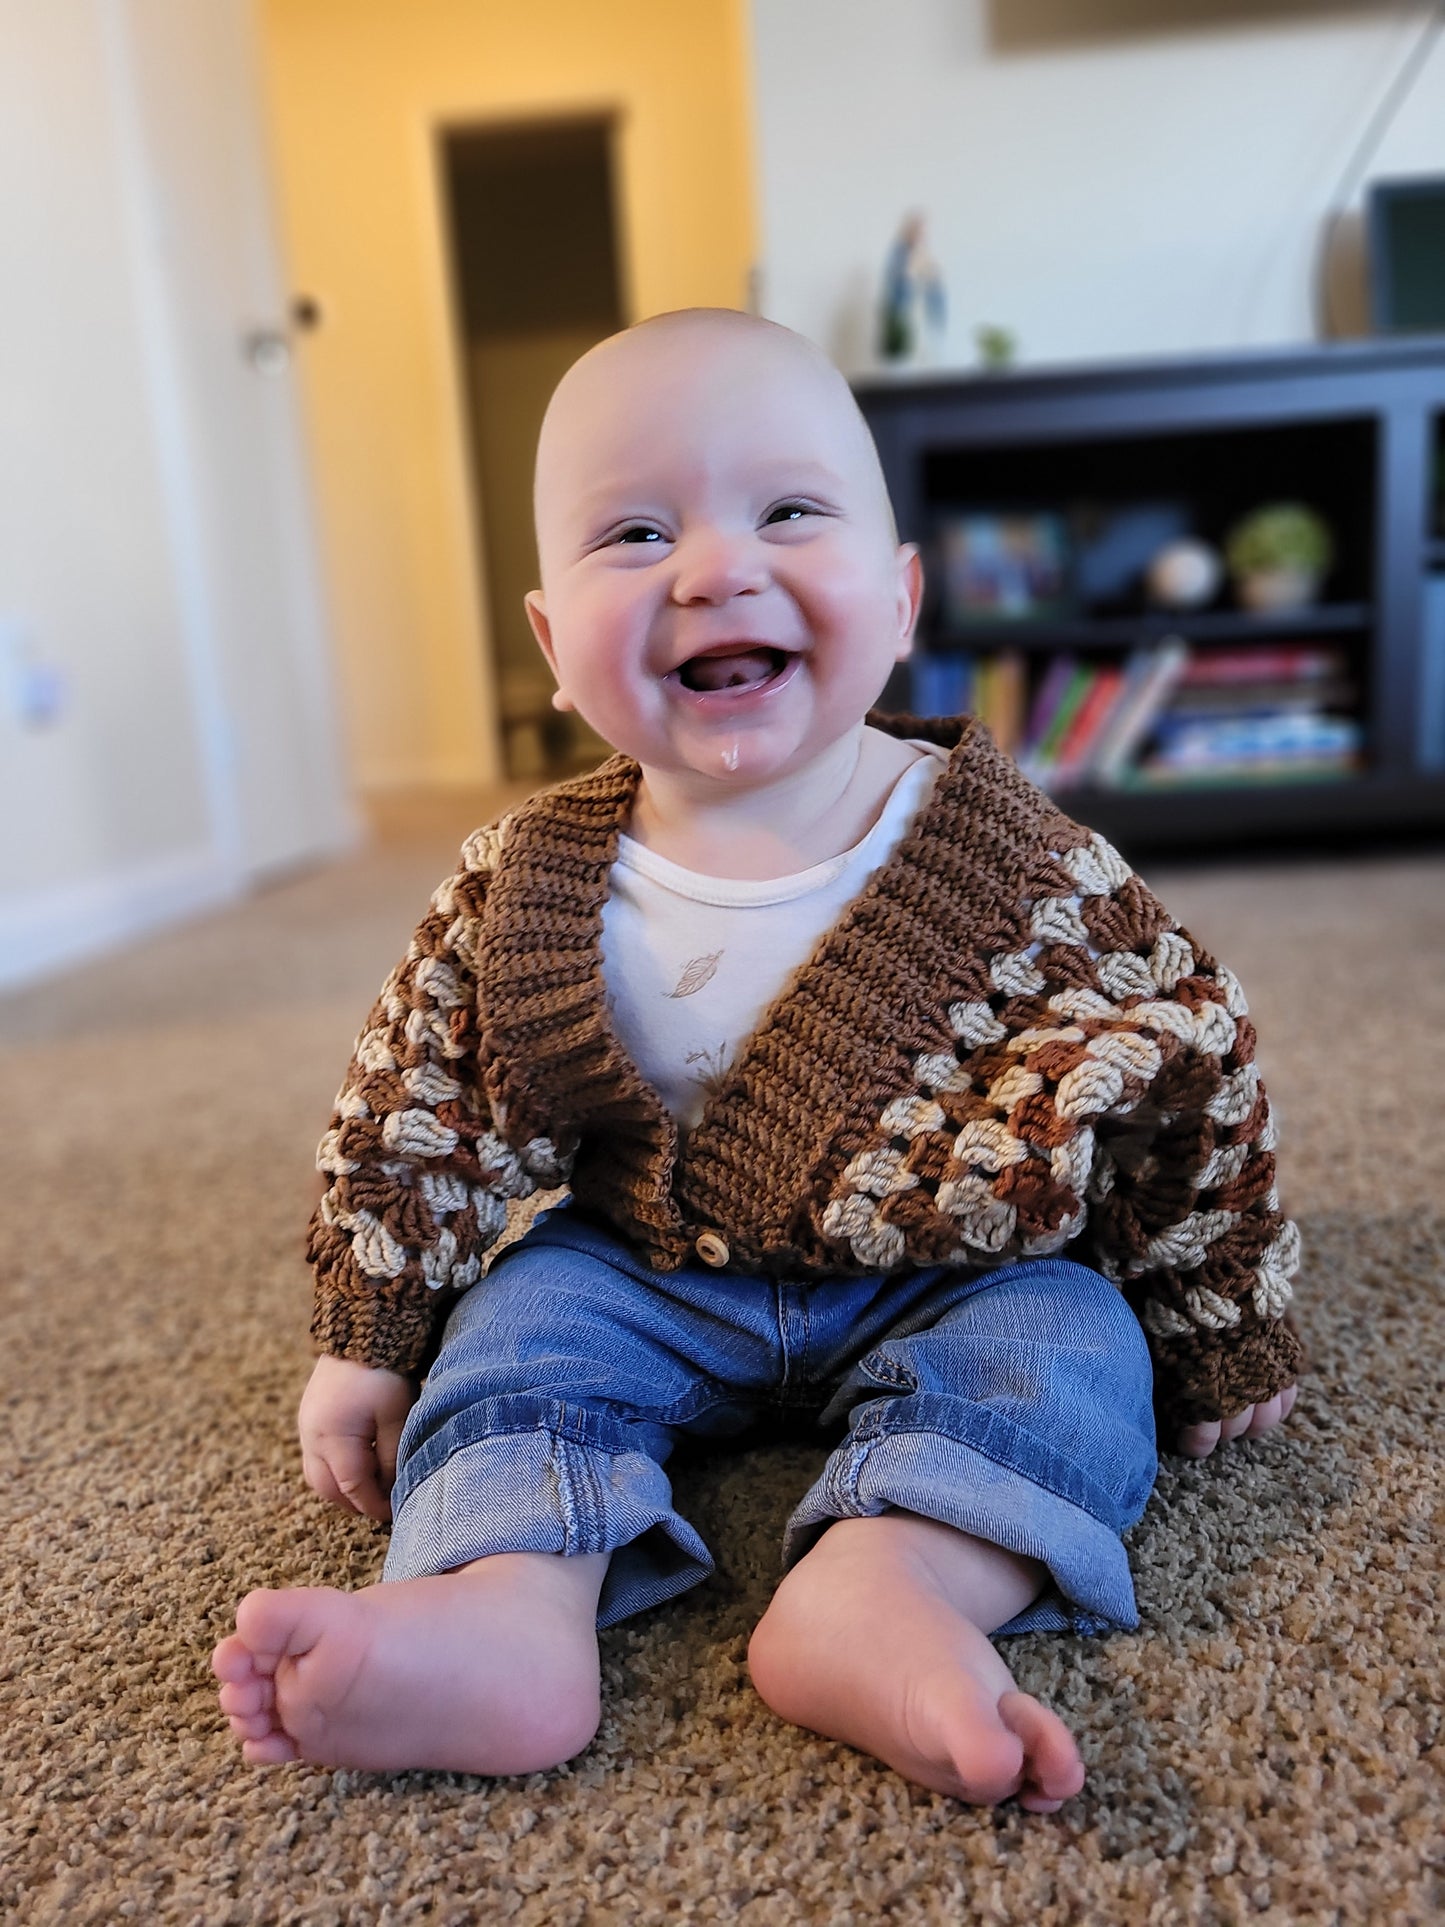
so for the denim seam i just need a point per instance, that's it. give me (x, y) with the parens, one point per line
(425, 1462)
(886, 1371)
(1034, 1476)
(706, 1393)
(576, 1500)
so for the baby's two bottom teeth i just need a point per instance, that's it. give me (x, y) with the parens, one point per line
(740, 671)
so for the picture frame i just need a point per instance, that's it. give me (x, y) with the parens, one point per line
(1003, 566)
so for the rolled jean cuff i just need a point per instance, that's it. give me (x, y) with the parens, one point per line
(521, 1474)
(975, 1490)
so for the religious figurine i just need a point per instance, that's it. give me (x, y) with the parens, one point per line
(913, 309)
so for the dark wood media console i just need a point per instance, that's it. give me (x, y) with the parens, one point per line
(1096, 468)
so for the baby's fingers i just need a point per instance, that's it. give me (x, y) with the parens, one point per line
(343, 1471)
(1198, 1441)
(1273, 1411)
(388, 1439)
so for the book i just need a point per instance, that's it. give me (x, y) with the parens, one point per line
(1150, 681)
(1286, 662)
(1203, 742)
(1047, 696)
(1076, 750)
(999, 700)
(1074, 689)
(941, 683)
(1245, 698)
(1135, 669)
(1249, 775)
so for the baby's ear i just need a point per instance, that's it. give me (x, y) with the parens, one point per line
(535, 605)
(910, 596)
(536, 609)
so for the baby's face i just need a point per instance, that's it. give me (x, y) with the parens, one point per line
(722, 590)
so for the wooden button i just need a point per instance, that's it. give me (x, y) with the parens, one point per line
(712, 1249)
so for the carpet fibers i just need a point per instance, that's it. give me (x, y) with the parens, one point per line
(1266, 1748)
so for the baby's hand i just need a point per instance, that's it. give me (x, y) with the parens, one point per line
(1198, 1441)
(350, 1422)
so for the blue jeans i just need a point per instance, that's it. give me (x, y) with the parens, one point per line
(1015, 1405)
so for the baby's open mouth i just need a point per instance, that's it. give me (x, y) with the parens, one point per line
(741, 668)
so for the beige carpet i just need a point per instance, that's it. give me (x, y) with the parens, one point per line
(1266, 1748)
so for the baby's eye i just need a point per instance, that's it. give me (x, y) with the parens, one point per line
(640, 532)
(787, 512)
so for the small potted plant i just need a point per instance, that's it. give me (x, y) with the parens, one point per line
(1279, 555)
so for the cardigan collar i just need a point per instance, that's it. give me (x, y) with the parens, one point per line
(558, 1069)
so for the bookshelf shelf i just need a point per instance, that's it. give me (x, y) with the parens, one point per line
(1122, 632)
(1169, 727)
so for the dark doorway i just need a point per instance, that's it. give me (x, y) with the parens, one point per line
(537, 281)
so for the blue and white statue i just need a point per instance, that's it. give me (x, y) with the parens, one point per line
(914, 308)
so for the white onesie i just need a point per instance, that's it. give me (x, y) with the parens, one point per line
(693, 962)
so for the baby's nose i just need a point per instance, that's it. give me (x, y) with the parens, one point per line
(715, 564)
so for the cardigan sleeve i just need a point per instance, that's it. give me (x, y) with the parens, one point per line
(419, 1174)
(1184, 1213)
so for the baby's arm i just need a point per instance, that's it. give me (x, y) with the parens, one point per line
(1185, 1213)
(350, 1422)
(419, 1173)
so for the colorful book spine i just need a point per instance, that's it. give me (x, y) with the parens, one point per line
(1049, 693)
(1152, 679)
(1248, 698)
(1001, 696)
(1071, 701)
(1286, 662)
(942, 682)
(1076, 752)
(1207, 743)
(1132, 675)
(1333, 768)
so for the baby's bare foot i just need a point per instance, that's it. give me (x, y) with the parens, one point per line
(868, 1640)
(492, 1669)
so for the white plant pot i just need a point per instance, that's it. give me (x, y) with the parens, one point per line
(1270, 590)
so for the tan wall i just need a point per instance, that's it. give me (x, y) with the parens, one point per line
(358, 90)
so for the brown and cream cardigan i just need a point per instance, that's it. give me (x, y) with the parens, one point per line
(1004, 1048)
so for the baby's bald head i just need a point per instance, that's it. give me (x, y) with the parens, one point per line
(679, 363)
(711, 516)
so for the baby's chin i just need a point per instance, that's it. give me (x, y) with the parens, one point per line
(738, 761)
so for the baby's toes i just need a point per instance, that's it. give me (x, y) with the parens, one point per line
(233, 1661)
(251, 1726)
(246, 1697)
(272, 1749)
(1053, 1771)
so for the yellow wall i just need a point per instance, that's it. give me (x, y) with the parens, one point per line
(357, 90)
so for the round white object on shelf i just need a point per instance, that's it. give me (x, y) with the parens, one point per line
(1185, 574)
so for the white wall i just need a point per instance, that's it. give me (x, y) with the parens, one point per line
(153, 538)
(85, 566)
(1103, 193)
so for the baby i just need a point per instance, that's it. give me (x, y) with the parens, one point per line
(884, 1094)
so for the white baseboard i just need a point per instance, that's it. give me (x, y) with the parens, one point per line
(45, 931)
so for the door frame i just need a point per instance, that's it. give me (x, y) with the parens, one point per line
(463, 483)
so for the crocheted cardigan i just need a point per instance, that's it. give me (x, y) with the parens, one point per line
(1004, 1048)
